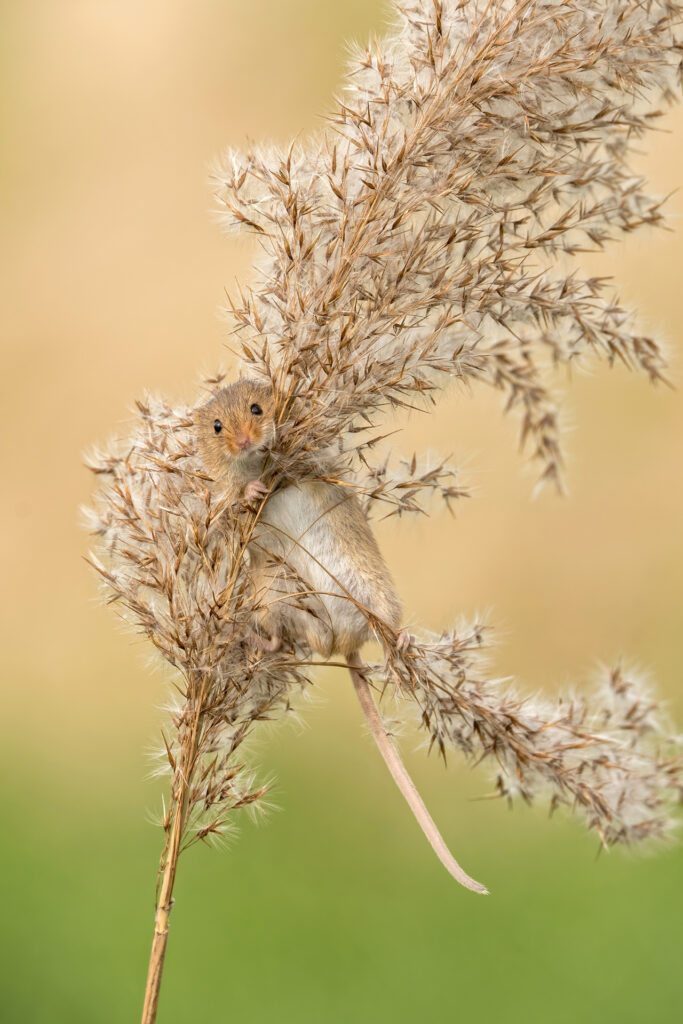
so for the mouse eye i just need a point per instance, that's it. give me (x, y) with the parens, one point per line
(256, 410)
(217, 426)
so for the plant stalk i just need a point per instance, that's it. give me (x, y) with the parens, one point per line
(163, 912)
(184, 772)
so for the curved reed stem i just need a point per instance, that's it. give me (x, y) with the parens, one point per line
(163, 911)
(169, 861)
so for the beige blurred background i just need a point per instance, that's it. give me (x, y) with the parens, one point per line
(112, 275)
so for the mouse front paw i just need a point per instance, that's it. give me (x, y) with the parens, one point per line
(254, 490)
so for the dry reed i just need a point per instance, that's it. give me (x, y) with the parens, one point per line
(429, 235)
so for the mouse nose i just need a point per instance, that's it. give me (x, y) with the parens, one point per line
(243, 441)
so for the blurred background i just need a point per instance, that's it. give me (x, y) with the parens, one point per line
(334, 909)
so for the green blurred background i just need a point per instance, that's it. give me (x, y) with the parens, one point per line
(334, 909)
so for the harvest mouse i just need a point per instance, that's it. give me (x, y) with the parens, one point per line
(312, 542)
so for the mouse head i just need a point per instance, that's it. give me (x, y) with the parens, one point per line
(238, 422)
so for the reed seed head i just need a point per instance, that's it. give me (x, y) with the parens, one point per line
(429, 235)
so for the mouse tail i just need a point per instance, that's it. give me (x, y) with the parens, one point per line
(402, 779)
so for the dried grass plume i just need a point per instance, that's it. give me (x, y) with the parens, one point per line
(430, 234)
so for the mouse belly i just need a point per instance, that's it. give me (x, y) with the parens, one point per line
(318, 570)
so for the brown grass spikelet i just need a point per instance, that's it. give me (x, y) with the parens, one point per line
(419, 240)
(175, 565)
(609, 754)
